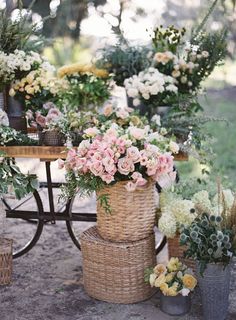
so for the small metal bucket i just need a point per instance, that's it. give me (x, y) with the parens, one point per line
(175, 306)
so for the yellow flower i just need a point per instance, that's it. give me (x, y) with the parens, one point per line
(172, 292)
(160, 280)
(176, 73)
(135, 120)
(169, 277)
(30, 78)
(189, 281)
(12, 92)
(107, 110)
(174, 264)
(164, 288)
(159, 269)
(79, 68)
(30, 90)
(152, 279)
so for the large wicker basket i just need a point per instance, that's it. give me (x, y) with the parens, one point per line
(132, 214)
(114, 272)
(175, 250)
(5, 261)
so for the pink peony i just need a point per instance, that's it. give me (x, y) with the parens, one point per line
(122, 113)
(125, 166)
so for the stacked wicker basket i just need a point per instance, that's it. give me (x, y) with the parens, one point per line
(117, 251)
(5, 261)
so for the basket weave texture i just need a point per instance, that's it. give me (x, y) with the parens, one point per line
(132, 214)
(5, 261)
(51, 138)
(114, 272)
(175, 250)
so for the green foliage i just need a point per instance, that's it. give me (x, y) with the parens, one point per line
(103, 199)
(85, 91)
(215, 43)
(11, 137)
(124, 60)
(11, 177)
(208, 241)
(19, 34)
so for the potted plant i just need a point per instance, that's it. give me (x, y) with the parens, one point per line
(211, 241)
(88, 86)
(176, 282)
(122, 165)
(19, 36)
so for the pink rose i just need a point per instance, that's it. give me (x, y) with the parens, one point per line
(125, 166)
(108, 178)
(61, 164)
(96, 168)
(41, 120)
(91, 132)
(122, 113)
(137, 133)
(133, 153)
(108, 110)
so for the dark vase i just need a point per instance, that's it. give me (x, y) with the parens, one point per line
(175, 306)
(148, 110)
(15, 112)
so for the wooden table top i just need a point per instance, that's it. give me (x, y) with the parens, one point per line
(52, 153)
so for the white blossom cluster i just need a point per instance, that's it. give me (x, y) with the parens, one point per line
(149, 83)
(19, 62)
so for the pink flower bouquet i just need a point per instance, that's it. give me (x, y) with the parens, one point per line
(117, 154)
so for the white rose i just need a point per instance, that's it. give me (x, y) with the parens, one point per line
(185, 292)
(152, 279)
(136, 102)
(174, 147)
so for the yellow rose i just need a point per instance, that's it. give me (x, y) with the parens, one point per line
(30, 78)
(160, 280)
(169, 277)
(189, 281)
(159, 56)
(12, 92)
(159, 269)
(172, 292)
(174, 264)
(135, 120)
(152, 279)
(164, 288)
(30, 90)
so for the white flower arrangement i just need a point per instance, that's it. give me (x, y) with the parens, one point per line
(149, 84)
(19, 63)
(176, 213)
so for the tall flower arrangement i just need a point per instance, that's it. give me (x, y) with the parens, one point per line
(112, 153)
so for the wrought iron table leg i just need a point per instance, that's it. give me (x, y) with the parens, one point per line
(50, 191)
